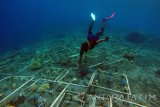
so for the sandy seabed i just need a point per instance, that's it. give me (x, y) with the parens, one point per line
(117, 73)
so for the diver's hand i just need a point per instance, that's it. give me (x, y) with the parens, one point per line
(107, 38)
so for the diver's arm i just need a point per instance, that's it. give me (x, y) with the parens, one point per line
(102, 40)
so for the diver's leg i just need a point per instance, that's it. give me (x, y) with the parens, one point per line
(90, 28)
(101, 32)
(104, 24)
(103, 27)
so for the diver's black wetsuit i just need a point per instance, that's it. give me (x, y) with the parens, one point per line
(91, 40)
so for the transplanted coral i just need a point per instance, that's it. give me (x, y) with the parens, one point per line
(34, 87)
(128, 56)
(13, 85)
(36, 63)
(1, 93)
(43, 87)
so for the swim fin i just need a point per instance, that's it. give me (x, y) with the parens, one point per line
(93, 16)
(105, 19)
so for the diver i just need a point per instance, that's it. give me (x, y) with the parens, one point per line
(93, 39)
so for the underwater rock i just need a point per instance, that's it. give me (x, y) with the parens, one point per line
(36, 63)
(135, 37)
(128, 56)
(16, 101)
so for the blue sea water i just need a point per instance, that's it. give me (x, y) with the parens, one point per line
(25, 21)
